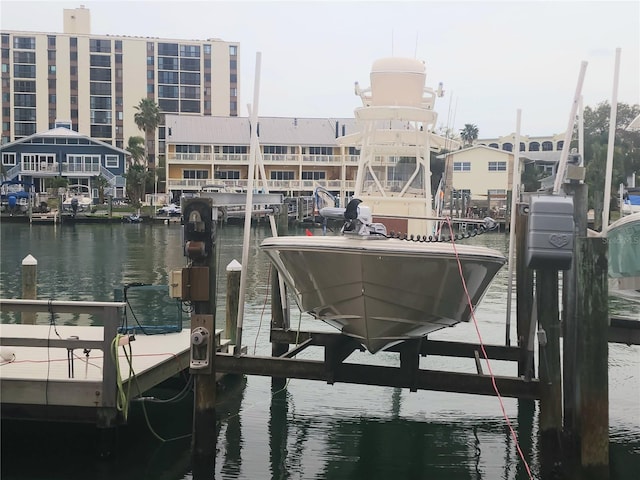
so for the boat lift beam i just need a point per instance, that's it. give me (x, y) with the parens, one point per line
(383, 376)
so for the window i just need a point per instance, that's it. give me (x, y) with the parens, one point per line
(461, 166)
(168, 49)
(97, 88)
(195, 174)
(168, 77)
(187, 148)
(313, 175)
(24, 86)
(189, 92)
(5, 68)
(25, 129)
(100, 74)
(320, 150)
(24, 71)
(497, 166)
(111, 161)
(51, 55)
(73, 56)
(73, 42)
(100, 61)
(101, 117)
(118, 45)
(190, 106)
(190, 78)
(275, 149)
(168, 105)
(190, 64)
(234, 91)
(24, 100)
(52, 98)
(547, 146)
(233, 78)
(100, 46)
(190, 51)
(167, 91)
(234, 149)
(52, 69)
(233, 50)
(508, 147)
(24, 114)
(100, 103)
(8, 158)
(534, 147)
(101, 131)
(207, 49)
(24, 43)
(233, 64)
(282, 175)
(228, 174)
(166, 63)
(24, 57)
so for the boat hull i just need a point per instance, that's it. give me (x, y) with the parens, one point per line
(384, 291)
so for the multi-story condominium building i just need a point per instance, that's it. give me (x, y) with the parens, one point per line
(95, 81)
(299, 154)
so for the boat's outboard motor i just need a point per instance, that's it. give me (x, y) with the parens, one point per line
(74, 205)
(358, 221)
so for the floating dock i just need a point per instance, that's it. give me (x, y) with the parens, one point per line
(68, 373)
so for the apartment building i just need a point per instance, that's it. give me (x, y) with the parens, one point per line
(95, 81)
(298, 154)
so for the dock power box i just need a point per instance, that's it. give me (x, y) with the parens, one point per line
(550, 242)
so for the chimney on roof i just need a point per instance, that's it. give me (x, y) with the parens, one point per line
(337, 129)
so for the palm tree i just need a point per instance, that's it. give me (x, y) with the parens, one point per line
(147, 118)
(135, 147)
(469, 133)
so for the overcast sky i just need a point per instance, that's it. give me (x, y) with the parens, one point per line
(493, 57)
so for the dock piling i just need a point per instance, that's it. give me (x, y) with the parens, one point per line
(593, 310)
(234, 270)
(29, 286)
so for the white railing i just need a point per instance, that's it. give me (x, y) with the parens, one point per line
(38, 167)
(190, 157)
(93, 168)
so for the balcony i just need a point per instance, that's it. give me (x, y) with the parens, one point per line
(86, 169)
(293, 186)
(190, 157)
(40, 168)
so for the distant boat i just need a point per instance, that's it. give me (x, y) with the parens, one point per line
(15, 196)
(77, 199)
(379, 287)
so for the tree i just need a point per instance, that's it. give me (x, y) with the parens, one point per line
(626, 154)
(469, 133)
(100, 183)
(147, 118)
(137, 177)
(135, 147)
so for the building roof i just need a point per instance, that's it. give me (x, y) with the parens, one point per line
(62, 132)
(272, 130)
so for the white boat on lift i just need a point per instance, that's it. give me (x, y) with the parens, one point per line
(77, 198)
(375, 285)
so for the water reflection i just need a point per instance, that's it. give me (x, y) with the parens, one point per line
(310, 430)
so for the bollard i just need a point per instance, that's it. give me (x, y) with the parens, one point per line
(29, 286)
(234, 270)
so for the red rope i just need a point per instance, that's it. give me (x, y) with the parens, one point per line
(484, 353)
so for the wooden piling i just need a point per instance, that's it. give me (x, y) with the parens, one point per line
(524, 294)
(549, 364)
(29, 286)
(234, 270)
(593, 348)
(278, 321)
(572, 321)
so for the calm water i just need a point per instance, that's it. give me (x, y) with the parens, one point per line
(310, 430)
